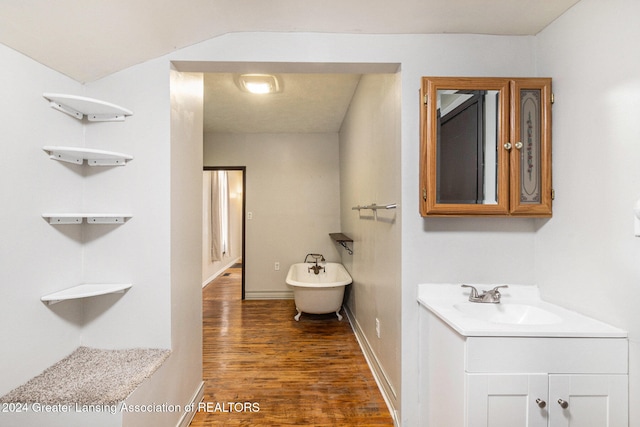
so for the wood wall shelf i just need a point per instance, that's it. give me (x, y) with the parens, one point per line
(94, 109)
(91, 218)
(93, 157)
(85, 291)
(339, 237)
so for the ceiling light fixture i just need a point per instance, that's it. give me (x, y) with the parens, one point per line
(259, 83)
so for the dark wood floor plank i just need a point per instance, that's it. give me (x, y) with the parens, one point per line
(262, 368)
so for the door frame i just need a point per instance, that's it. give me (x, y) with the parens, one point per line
(243, 169)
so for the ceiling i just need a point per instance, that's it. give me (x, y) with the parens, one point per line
(308, 103)
(89, 39)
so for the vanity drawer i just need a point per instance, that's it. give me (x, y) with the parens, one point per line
(547, 355)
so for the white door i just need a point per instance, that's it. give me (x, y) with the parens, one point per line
(497, 400)
(588, 401)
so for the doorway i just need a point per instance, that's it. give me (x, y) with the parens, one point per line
(229, 251)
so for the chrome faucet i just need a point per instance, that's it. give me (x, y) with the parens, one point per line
(316, 268)
(492, 296)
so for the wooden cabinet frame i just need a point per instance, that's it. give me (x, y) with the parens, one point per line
(510, 148)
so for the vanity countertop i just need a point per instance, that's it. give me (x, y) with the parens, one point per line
(521, 313)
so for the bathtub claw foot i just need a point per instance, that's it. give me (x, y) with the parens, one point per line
(339, 315)
(297, 316)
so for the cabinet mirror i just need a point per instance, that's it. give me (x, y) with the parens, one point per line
(485, 146)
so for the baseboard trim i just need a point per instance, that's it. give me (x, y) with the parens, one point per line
(220, 271)
(388, 392)
(187, 417)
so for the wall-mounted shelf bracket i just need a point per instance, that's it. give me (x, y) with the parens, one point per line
(91, 218)
(93, 157)
(85, 291)
(342, 240)
(80, 106)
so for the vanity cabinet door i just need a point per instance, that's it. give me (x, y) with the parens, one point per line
(590, 400)
(507, 400)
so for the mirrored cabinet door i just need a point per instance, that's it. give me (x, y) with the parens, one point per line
(485, 146)
(465, 123)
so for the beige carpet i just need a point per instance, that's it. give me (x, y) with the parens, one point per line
(90, 376)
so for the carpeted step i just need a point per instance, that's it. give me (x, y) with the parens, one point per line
(90, 376)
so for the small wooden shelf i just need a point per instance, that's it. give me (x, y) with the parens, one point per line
(91, 218)
(93, 157)
(342, 240)
(339, 237)
(94, 109)
(85, 291)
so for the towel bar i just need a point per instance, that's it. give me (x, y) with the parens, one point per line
(374, 207)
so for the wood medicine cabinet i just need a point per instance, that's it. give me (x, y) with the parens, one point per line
(485, 147)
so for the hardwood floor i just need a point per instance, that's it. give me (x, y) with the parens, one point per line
(262, 368)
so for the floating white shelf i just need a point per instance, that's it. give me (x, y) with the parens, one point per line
(92, 218)
(85, 291)
(93, 157)
(80, 106)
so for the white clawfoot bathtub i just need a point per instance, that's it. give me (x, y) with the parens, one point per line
(318, 293)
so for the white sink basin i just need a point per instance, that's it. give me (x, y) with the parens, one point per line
(518, 314)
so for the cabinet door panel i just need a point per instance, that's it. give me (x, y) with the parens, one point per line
(530, 172)
(496, 400)
(592, 400)
(464, 169)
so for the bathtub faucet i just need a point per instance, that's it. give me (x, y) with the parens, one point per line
(316, 268)
(316, 257)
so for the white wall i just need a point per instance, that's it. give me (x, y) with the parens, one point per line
(158, 250)
(370, 173)
(35, 257)
(212, 269)
(185, 379)
(480, 250)
(432, 249)
(139, 251)
(586, 52)
(587, 256)
(293, 194)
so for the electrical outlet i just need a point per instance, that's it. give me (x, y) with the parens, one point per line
(276, 266)
(249, 215)
(377, 327)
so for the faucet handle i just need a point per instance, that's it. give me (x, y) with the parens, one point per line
(494, 294)
(474, 291)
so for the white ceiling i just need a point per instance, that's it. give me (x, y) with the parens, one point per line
(89, 39)
(308, 103)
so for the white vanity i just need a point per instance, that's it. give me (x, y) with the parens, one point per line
(520, 362)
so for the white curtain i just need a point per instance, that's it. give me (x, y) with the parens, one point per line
(219, 213)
